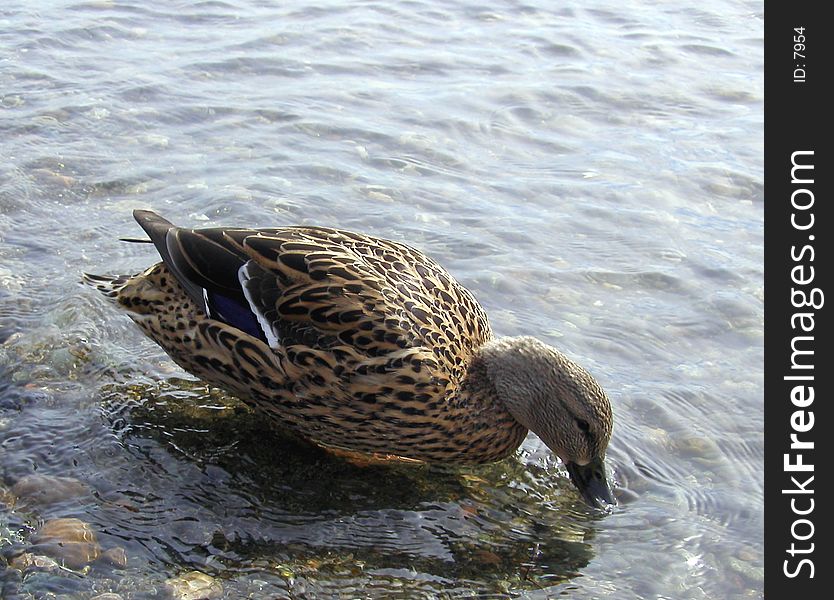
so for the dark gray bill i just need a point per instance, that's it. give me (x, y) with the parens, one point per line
(592, 483)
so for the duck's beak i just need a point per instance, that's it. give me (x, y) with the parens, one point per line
(592, 483)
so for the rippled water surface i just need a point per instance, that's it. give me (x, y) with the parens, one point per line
(591, 171)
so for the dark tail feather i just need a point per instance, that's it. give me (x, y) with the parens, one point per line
(158, 230)
(109, 285)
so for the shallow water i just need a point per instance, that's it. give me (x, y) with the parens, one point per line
(593, 173)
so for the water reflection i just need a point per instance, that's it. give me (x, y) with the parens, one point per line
(218, 482)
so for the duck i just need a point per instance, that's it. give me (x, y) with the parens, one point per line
(361, 344)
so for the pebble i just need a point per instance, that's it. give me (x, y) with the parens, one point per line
(747, 554)
(751, 572)
(6, 497)
(658, 436)
(107, 596)
(71, 542)
(50, 176)
(27, 561)
(116, 557)
(194, 585)
(42, 490)
(10, 281)
(12, 101)
(698, 447)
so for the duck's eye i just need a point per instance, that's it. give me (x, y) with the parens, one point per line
(582, 424)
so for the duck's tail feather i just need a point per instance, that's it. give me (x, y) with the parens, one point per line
(157, 228)
(163, 235)
(109, 285)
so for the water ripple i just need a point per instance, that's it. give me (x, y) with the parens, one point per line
(579, 168)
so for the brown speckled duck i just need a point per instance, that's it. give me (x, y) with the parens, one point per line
(361, 344)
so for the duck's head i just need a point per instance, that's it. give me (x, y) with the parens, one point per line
(561, 403)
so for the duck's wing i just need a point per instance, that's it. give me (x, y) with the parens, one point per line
(206, 262)
(374, 295)
(324, 288)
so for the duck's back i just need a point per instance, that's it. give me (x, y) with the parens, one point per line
(321, 286)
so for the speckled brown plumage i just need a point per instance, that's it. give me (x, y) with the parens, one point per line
(353, 342)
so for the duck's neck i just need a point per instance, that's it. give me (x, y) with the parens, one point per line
(484, 415)
(505, 364)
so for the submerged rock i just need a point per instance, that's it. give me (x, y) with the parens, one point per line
(116, 557)
(44, 490)
(752, 572)
(6, 497)
(71, 542)
(28, 561)
(194, 585)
